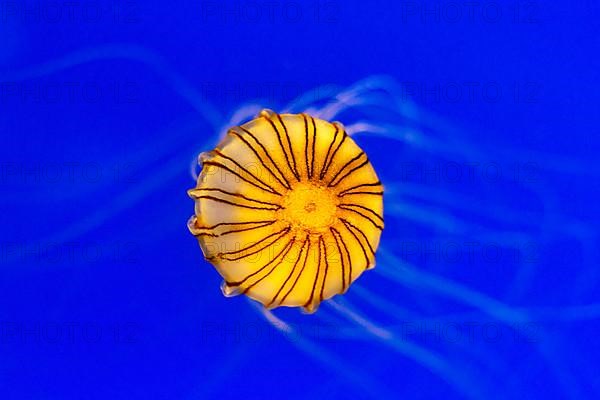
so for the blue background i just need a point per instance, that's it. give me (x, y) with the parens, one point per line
(105, 294)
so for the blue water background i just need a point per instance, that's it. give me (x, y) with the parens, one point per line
(104, 293)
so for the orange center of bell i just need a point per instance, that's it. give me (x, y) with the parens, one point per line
(309, 207)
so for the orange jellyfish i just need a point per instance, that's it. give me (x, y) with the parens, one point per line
(288, 209)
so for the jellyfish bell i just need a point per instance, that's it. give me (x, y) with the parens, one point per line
(288, 209)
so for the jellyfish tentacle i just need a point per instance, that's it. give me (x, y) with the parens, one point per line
(359, 379)
(307, 99)
(127, 52)
(424, 357)
(406, 274)
(135, 193)
(485, 356)
(364, 127)
(380, 303)
(359, 94)
(447, 198)
(495, 308)
(447, 223)
(243, 113)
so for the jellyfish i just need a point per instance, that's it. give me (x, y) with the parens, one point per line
(288, 209)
